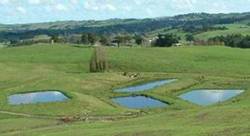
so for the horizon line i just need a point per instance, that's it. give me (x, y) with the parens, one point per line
(45, 22)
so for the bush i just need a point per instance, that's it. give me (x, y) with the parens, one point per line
(245, 42)
(98, 62)
(166, 40)
(234, 40)
(237, 41)
(189, 37)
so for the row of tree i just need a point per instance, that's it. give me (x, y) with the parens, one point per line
(237, 41)
(87, 39)
(234, 40)
(92, 39)
(162, 40)
(191, 28)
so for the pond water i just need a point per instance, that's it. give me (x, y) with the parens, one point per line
(37, 97)
(146, 86)
(208, 97)
(139, 102)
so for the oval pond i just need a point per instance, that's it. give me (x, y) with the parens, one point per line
(208, 97)
(146, 86)
(139, 102)
(37, 97)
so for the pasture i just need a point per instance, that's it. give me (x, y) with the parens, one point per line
(90, 110)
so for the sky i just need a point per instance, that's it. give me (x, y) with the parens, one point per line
(34, 11)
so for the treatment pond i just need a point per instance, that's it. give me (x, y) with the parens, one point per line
(208, 97)
(37, 97)
(146, 86)
(139, 102)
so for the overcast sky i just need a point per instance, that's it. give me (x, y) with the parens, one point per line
(30, 11)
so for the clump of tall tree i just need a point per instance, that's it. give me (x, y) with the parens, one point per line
(189, 37)
(89, 38)
(234, 40)
(99, 62)
(166, 40)
(54, 39)
(122, 40)
(237, 41)
(139, 39)
(202, 27)
(105, 40)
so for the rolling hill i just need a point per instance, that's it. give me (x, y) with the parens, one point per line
(188, 23)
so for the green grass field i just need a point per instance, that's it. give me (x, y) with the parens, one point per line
(237, 28)
(232, 29)
(66, 68)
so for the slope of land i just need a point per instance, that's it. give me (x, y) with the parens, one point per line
(64, 67)
(132, 26)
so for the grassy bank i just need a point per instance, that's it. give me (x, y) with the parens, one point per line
(66, 68)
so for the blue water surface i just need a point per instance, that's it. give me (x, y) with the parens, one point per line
(209, 97)
(139, 102)
(146, 86)
(37, 97)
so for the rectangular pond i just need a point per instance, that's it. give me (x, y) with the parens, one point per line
(146, 86)
(139, 102)
(209, 97)
(37, 97)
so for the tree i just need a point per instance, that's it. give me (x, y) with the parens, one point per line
(92, 38)
(245, 43)
(237, 40)
(139, 39)
(118, 39)
(122, 39)
(84, 38)
(233, 40)
(127, 39)
(217, 40)
(54, 39)
(166, 40)
(13, 42)
(89, 38)
(190, 37)
(104, 40)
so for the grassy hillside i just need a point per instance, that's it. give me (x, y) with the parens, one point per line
(65, 68)
(152, 26)
(231, 29)
(179, 20)
(235, 28)
(174, 60)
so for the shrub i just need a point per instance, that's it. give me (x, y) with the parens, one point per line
(234, 40)
(166, 40)
(237, 41)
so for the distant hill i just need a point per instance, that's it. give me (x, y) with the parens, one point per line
(188, 23)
